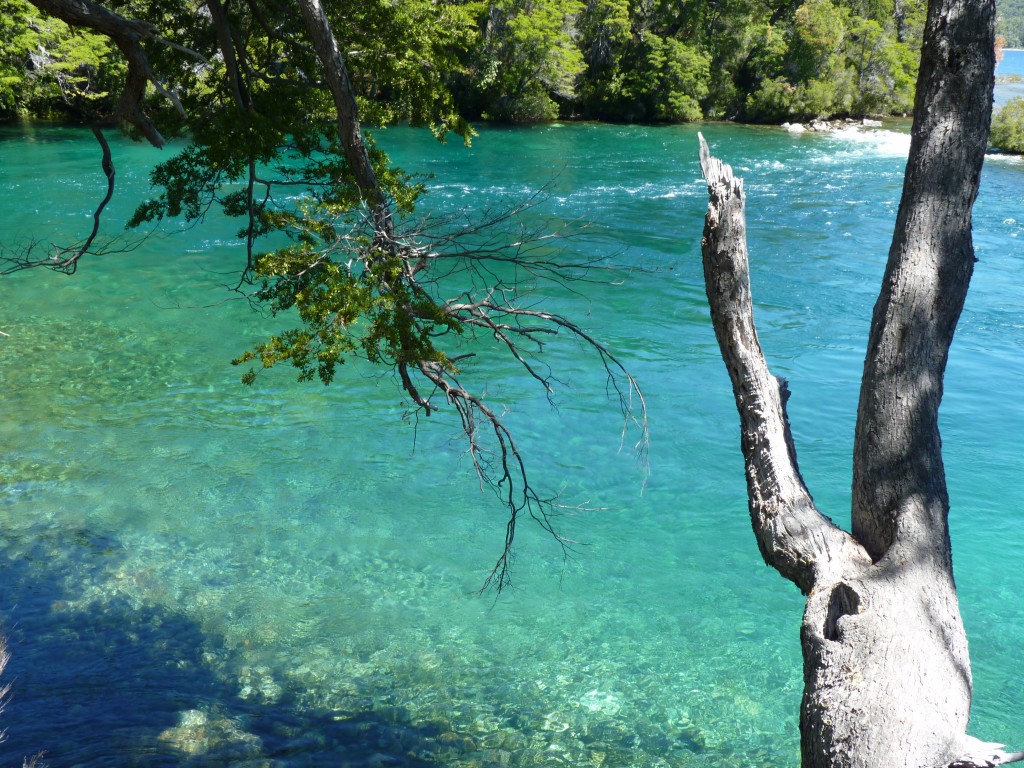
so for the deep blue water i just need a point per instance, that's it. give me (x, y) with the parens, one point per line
(196, 572)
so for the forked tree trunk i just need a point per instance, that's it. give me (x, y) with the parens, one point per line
(886, 671)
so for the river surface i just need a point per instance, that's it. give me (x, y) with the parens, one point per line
(195, 572)
(1010, 76)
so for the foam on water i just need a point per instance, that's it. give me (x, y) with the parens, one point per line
(853, 141)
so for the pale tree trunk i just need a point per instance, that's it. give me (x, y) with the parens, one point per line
(886, 670)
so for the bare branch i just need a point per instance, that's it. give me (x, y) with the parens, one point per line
(792, 535)
(65, 259)
(503, 471)
(182, 48)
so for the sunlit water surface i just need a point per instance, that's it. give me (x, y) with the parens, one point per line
(199, 573)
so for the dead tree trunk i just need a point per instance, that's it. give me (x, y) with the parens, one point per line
(887, 681)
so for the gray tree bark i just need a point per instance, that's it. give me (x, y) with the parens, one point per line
(887, 680)
(350, 133)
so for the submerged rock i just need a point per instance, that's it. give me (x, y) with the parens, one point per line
(199, 733)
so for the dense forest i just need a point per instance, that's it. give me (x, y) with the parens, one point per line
(532, 60)
(535, 60)
(1010, 22)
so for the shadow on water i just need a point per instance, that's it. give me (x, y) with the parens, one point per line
(100, 680)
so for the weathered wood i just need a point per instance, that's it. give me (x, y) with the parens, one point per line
(797, 540)
(869, 632)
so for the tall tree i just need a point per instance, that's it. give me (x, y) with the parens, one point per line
(886, 670)
(529, 61)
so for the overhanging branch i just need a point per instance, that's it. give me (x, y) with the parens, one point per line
(128, 35)
(65, 258)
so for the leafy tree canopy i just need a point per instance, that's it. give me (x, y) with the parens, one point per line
(1010, 22)
(521, 60)
(1008, 127)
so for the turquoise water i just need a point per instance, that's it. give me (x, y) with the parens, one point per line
(199, 573)
(1012, 66)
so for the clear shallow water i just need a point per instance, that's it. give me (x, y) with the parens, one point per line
(195, 572)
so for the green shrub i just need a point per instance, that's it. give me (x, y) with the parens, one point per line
(772, 102)
(1008, 127)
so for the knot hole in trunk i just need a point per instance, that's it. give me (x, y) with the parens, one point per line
(844, 601)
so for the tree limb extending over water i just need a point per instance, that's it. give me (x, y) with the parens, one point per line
(275, 139)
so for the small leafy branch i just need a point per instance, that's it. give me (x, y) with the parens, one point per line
(415, 302)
